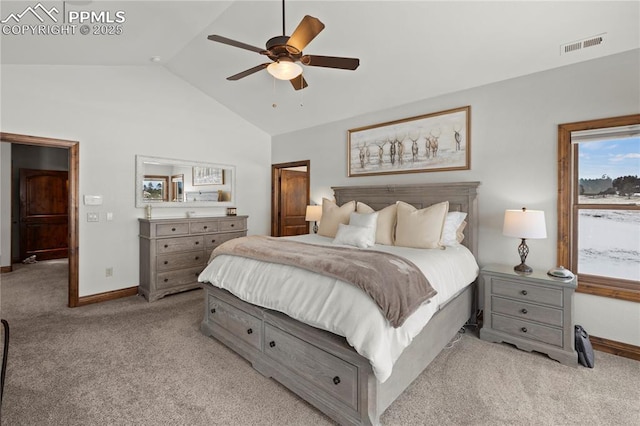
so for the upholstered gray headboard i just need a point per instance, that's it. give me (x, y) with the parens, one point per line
(462, 196)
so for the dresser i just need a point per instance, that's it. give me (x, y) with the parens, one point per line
(173, 252)
(534, 312)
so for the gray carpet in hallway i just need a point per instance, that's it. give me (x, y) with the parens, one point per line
(129, 362)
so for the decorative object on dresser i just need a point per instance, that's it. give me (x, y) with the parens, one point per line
(173, 252)
(313, 214)
(524, 224)
(322, 367)
(533, 312)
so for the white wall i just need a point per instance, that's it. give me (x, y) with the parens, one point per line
(513, 154)
(5, 204)
(116, 113)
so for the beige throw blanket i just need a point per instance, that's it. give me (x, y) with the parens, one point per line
(394, 283)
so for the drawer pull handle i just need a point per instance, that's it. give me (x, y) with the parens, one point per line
(213, 241)
(173, 229)
(166, 280)
(524, 311)
(205, 227)
(213, 310)
(250, 331)
(166, 245)
(166, 262)
(272, 344)
(197, 242)
(336, 380)
(233, 224)
(196, 274)
(524, 329)
(197, 257)
(524, 292)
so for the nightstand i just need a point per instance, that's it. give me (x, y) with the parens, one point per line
(534, 312)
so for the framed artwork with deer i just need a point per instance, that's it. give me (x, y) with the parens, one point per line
(433, 142)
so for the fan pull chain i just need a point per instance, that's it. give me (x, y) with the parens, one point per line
(274, 104)
(301, 91)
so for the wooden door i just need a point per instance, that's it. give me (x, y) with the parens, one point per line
(44, 214)
(293, 203)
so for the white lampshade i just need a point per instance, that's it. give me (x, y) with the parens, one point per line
(284, 69)
(313, 214)
(524, 224)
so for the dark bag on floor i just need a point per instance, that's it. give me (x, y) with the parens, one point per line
(584, 348)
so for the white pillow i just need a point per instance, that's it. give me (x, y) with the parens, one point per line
(368, 220)
(332, 215)
(450, 229)
(420, 228)
(386, 226)
(359, 236)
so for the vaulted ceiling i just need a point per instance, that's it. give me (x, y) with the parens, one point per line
(408, 50)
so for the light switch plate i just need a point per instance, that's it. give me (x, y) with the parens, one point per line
(93, 200)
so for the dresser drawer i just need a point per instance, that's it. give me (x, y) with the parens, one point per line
(167, 262)
(204, 226)
(231, 224)
(237, 322)
(214, 240)
(167, 229)
(530, 293)
(527, 330)
(527, 311)
(337, 377)
(176, 278)
(170, 245)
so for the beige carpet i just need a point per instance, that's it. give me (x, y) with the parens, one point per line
(129, 362)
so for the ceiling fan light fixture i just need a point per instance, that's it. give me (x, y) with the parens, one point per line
(284, 69)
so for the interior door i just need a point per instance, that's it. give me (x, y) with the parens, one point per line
(293, 203)
(44, 214)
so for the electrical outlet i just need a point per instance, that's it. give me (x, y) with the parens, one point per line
(108, 272)
(93, 217)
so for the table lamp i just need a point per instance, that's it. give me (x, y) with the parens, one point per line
(524, 224)
(313, 214)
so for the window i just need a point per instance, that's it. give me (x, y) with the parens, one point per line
(599, 205)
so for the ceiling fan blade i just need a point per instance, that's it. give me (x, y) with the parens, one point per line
(235, 43)
(298, 82)
(330, 62)
(248, 72)
(306, 31)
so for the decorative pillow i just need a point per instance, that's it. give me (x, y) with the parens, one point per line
(359, 236)
(332, 216)
(368, 220)
(420, 228)
(450, 229)
(460, 232)
(386, 227)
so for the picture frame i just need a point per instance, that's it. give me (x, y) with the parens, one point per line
(434, 142)
(207, 176)
(155, 188)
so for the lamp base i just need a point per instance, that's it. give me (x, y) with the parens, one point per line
(523, 269)
(315, 227)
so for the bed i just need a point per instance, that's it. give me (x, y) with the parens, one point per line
(322, 367)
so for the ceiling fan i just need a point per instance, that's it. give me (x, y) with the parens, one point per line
(286, 51)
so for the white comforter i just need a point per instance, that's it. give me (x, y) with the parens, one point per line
(342, 308)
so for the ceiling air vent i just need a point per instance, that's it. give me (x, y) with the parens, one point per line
(582, 44)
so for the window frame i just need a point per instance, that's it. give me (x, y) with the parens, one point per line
(567, 245)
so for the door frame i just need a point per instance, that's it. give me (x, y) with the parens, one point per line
(276, 172)
(73, 149)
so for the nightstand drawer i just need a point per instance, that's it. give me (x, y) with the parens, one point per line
(527, 330)
(169, 245)
(527, 311)
(530, 293)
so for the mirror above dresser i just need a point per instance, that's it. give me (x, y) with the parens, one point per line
(166, 182)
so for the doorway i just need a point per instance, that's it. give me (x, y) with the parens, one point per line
(73, 149)
(290, 185)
